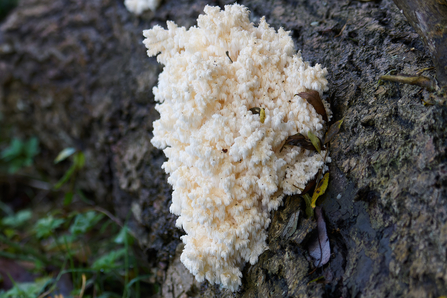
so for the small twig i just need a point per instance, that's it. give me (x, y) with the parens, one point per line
(109, 215)
(418, 81)
(228, 55)
(424, 69)
(341, 31)
(315, 280)
(84, 279)
(312, 272)
(45, 294)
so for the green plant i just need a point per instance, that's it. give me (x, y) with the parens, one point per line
(45, 227)
(94, 249)
(77, 164)
(18, 219)
(26, 289)
(86, 242)
(19, 154)
(84, 222)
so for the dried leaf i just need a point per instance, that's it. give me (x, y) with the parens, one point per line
(300, 141)
(427, 68)
(320, 248)
(315, 141)
(308, 187)
(256, 110)
(260, 112)
(420, 81)
(313, 97)
(333, 131)
(322, 186)
(64, 154)
(291, 225)
(262, 115)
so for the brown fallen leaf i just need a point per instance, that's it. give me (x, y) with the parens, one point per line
(255, 110)
(313, 97)
(333, 131)
(308, 187)
(300, 141)
(260, 112)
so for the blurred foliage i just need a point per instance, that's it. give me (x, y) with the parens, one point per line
(27, 289)
(19, 154)
(58, 232)
(70, 175)
(109, 261)
(84, 222)
(6, 6)
(45, 227)
(92, 248)
(17, 220)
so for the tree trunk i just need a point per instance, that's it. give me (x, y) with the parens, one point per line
(75, 74)
(429, 19)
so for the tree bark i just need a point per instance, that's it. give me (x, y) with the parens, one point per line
(429, 19)
(75, 74)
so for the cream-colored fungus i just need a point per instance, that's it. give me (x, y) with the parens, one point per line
(224, 165)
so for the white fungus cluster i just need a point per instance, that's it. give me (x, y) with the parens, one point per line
(139, 6)
(225, 165)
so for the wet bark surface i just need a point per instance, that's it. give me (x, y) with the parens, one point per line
(75, 74)
(429, 19)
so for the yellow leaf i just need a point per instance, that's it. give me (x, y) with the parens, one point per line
(320, 189)
(315, 141)
(262, 115)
